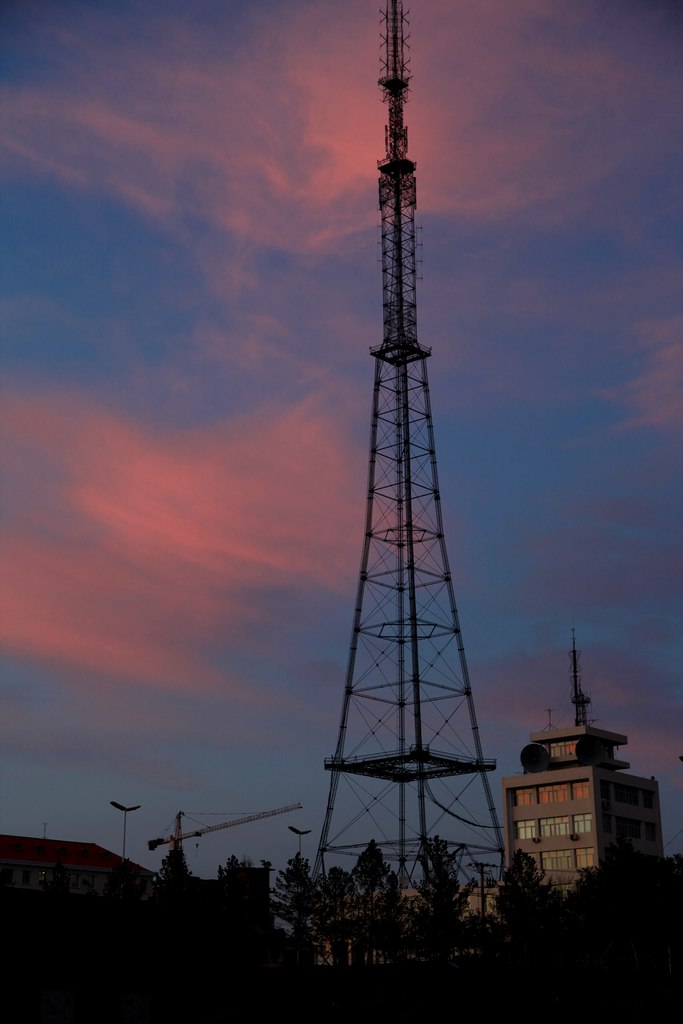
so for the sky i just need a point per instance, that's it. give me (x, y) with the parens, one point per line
(190, 286)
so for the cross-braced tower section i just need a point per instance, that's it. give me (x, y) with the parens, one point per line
(408, 764)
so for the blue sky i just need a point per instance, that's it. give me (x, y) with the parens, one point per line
(189, 290)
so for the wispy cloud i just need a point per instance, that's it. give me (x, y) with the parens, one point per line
(261, 141)
(129, 550)
(655, 396)
(192, 284)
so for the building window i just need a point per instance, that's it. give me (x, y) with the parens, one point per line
(607, 823)
(25, 877)
(585, 857)
(566, 748)
(524, 797)
(581, 790)
(553, 794)
(558, 826)
(583, 822)
(650, 832)
(556, 860)
(604, 790)
(626, 795)
(525, 829)
(648, 798)
(627, 828)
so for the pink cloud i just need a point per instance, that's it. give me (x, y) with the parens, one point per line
(128, 552)
(184, 131)
(275, 142)
(523, 107)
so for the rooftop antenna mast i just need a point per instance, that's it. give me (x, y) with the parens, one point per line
(408, 765)
(580, 700)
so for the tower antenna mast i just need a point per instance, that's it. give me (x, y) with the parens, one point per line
(580, 700)
(408, 765)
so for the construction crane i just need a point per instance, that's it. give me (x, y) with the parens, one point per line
(178, 834)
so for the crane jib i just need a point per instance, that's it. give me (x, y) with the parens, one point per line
(179, 835)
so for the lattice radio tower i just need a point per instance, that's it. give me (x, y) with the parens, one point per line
(408, 765)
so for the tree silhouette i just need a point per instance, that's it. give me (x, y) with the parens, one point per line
(333, 914)
(293, 901)
(58, 882)
(441, 903)
(530, 912)
(173, 884)
(629, 909)
(123, 884)
(376, 904)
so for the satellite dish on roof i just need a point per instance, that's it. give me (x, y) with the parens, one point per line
(534, 758)
(589, 750)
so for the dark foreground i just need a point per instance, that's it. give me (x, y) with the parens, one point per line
(83, 962)
(119, 995)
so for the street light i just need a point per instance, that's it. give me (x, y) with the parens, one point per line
(299, 832)
(125, 810)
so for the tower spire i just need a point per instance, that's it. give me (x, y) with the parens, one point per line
(580, 700)
(408, 765)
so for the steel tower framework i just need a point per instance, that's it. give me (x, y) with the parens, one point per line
(408, 764)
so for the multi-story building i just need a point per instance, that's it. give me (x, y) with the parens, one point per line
(30, 863)
(574, 798)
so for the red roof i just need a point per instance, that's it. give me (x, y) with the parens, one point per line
(28, 850)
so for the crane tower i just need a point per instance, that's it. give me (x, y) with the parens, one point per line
(408, 765)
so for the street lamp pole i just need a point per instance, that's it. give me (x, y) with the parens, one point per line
(125, 810)
(299, 832)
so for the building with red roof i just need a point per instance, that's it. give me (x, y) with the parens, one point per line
(29, 863)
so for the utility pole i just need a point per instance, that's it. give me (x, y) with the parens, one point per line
(482, 890)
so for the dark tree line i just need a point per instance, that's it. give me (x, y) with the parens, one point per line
(626, 913)
(204, 949)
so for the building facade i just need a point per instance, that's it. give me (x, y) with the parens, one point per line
(30, 863)
(574, 798)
